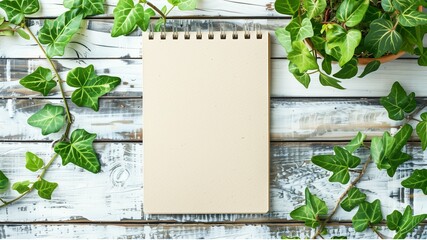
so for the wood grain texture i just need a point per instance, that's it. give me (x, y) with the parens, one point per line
(187, 231)
(378, 84)
(292, 119)
(117, 192)
(217, 8)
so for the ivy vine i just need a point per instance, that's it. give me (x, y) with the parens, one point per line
(75, 147)
(387, 154)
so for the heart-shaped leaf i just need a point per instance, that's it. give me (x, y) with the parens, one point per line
(33, 162)
(50, 119)
(417, 180)
(348, 70)
(21, 187)
(387, 5)
(402, 5)
(303, 78)
(397, 103)
(352, 11)
(45, 188)
(288, 7)
(17, 9)
(368, 213)
(300, 30)
(355, 143)
(405, 223)
(326, 80)
(301, 57)
(353, 199)
(422, 130)
(89, 86)
(412, 18)
(382, 38)
(370, 67)
(327, 64)
(338, 164)
(337, 36)
(310, 212)
(126, 17)
(4, 182)
(314, 7)
(57, 33)
(284, 38)
(147, 16)
(40, 81)
(87, 7)
(79, 151)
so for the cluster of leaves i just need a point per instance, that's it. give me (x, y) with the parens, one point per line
(128, 16)
(55, 35)
(387, 154)
(345, 30)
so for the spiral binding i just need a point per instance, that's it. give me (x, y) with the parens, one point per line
(248, 30)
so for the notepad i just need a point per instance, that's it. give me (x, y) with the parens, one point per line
(206, 123)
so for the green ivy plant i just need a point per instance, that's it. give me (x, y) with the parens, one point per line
(387, 154)
(344, 31)
(74, 147)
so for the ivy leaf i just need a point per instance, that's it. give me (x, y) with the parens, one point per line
(79, 151)
(412, 18)
(300, 30)
(89, 86)
(353, 199)
(17, 9)
(87, 7)
(370, 67)
(368, 213)
(40, 81)
(402, 5)
(380, 148)
(397, 103)
(326, 80)
(327, 65)
(422, 130)
(147, 16)
(45, 188)
(50, 119)
(4, 182)
(302, 57)
(284, 38)
(355, 143)
(21, 187)
(184, 4)
(309, 213)
(338, 164)
(352, 11)
(23, 34)
(348, 70)
(387, 5)
(33, 162)
(417, 180)
(126, 17)
(405, 223)
(314, 7)
(57, 33)
(382, 38)
(337, 36)
(303, 78)
(288, 7)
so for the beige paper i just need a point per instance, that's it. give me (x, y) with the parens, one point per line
(206, 124)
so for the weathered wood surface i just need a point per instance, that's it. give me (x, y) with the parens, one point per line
(217, 8)
(406, 71)
(292, 119)
(116, 193)
(187, 231)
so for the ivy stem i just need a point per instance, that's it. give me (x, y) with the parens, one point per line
(343, 195)
(375, 230)
(156, 9)
(6, 203)
(58, 80)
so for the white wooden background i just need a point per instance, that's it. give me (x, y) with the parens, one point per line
(109, 204)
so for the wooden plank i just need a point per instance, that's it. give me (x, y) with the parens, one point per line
(186, 231)
(218, 8)
(283, 84)
(291, 119)
(116, 193)
(117, 120)
(94, 39)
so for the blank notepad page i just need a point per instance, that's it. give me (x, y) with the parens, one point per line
(206, 124)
